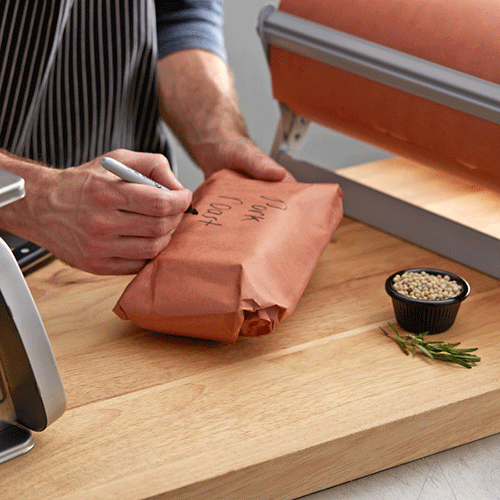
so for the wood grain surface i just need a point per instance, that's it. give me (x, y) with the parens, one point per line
(324, 399)
(466, 198)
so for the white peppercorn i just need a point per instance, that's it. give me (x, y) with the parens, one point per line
(424, 286)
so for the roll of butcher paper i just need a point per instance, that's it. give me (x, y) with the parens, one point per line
(458, 34)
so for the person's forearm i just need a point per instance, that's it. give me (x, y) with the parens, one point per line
(198, 101)
(15, 217)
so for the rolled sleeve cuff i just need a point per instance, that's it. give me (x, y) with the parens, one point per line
(198, 25)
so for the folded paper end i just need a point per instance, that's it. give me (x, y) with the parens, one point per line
(119, 311)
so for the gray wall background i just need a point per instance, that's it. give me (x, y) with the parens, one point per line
(247, 61)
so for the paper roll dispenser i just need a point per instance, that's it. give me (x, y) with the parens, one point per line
(31, 391)
(418, 79)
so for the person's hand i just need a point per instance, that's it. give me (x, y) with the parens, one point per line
(241, 154)
(97, 222)
(198, 101)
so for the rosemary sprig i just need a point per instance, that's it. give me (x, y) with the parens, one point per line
(434, 349)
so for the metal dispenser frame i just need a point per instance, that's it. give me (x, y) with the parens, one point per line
(405, 72)
(31, 390)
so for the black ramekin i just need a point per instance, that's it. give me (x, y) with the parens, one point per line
(426, 316)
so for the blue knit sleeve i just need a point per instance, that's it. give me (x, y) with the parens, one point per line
(187, 24)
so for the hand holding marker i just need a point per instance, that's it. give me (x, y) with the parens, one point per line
(130, 175)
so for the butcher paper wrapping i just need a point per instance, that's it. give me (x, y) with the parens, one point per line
(240, 266)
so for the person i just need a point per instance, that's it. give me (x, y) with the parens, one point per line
(82, 79)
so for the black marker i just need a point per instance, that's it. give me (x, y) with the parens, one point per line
(130, 175)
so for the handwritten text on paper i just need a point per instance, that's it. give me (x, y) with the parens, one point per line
(256, 212)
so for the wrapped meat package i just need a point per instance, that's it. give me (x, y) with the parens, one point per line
(240, 266)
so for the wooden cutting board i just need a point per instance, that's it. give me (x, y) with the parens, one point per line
(324, 399)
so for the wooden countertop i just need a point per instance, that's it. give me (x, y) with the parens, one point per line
(465, 198)
(324, 399)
